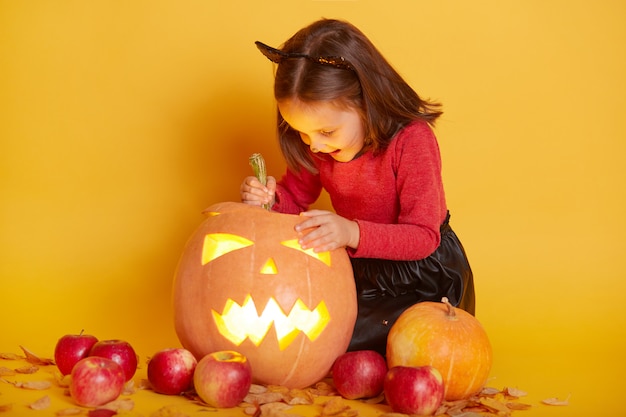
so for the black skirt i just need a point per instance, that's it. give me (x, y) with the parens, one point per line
(386, 288)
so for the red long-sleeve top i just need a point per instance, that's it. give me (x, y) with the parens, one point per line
(396, 196)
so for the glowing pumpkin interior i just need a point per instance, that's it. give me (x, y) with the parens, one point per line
(244, 283)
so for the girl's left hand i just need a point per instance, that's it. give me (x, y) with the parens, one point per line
(324, 231)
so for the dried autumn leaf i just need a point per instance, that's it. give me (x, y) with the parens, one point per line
(453, 408)
(143, 384)
(122, 404)
(456, 405)
(27, 369)
(34, 359)
(299, 401)
(69, 412)
(515, 392)
(278, 388)
(252, 410)
(41, 404)
(481, 413)
(518, 406)
(495, 405)
(10, 356)
(168, 411)
(274, 410)
(556, 401)
(129, 388)
(322, 389)
(263, 398)
(34, 385)
(299, 397)
(257, 389)
(4, 371)
(334, 406)
(62, 381)
(489, 391)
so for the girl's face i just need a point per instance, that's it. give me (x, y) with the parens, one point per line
(326, 127)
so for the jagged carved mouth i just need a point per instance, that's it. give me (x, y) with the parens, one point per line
(240, 322)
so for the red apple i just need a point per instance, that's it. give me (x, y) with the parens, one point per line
(222, 379)
(119, 351)
(70, 349)
(414, 390)
(359, 374)
(170, 371)
(96, 381)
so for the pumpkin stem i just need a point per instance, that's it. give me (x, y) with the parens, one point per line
(258, 165)
(451, 312)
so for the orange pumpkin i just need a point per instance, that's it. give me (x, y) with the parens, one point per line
(243, 283)
(447, 338)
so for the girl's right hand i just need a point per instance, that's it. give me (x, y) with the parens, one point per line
(256, 194)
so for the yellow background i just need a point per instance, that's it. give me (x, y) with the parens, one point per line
(121, 120)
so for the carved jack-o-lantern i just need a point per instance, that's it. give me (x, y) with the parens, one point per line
(243, 283)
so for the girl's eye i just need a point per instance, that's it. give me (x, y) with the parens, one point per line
(327, 132)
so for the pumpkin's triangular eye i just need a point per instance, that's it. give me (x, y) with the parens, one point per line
(218, 244)
(321, 256)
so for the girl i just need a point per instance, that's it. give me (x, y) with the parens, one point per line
(348, 123)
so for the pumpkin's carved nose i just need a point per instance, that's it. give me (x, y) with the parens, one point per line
(269, 267)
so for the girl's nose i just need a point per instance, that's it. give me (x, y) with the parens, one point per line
(315, 146)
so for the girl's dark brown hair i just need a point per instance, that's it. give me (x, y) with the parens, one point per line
(371, 86)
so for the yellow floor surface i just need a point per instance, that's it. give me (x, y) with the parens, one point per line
(590, 391)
